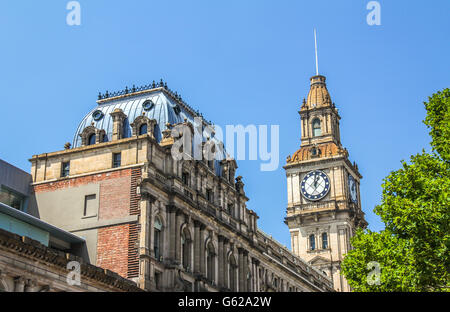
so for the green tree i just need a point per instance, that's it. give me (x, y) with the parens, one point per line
(413, 250)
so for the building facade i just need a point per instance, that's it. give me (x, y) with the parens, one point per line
(324, 204)
(36, 256)
(168, 224)
(26, 265)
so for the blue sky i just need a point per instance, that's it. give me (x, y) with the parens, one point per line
(238, 62)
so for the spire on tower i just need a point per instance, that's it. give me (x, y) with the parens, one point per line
(315, 46)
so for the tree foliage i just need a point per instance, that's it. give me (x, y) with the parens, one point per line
(413, 249)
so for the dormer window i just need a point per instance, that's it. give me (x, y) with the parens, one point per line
(317, 131)
(143, 129)
(92, 139)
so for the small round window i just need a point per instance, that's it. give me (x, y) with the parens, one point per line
(97, 115)
(148, 105)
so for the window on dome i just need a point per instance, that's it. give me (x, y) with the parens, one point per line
(91, 140)
(143, 129)
(317, 131)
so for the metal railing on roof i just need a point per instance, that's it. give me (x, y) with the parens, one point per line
(153, 85)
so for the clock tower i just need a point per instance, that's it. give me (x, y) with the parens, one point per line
(324, 204)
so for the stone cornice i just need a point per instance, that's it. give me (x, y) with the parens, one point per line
(31, 249)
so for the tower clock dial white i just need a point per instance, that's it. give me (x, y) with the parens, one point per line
(352, 188)
(315, 185)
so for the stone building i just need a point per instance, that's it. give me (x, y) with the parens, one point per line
(26, 265)
(324, 204)
(36, 256)
(167, 224)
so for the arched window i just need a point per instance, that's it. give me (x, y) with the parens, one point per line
(143, 129)
(92, 138)
(232, 271)
(210, 262)
(186, 250)
(157, 230)
(317, 131)
(312, 242)
(324, 240)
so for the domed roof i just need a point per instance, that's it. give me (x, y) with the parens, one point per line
(162, 109)
(157, 103)
(318, 95)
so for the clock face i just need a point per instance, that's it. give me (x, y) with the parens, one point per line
(315, 185)
(352, 188)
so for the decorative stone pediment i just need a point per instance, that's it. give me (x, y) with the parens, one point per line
(90, 130)
(141, 120)
(318, 260)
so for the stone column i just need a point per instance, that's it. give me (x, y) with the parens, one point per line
(221, 265)
(172, 231)
(19, 284)
(145, 246)
(197, 225)
(30, 286)
(246, 284)
(242, 277)
(178, 222)
(202, 250)
(256, 274)
(225, 262)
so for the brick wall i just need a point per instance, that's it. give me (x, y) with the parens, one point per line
(116, 245)
(112, 248)
(77, 181)
(115, 198)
